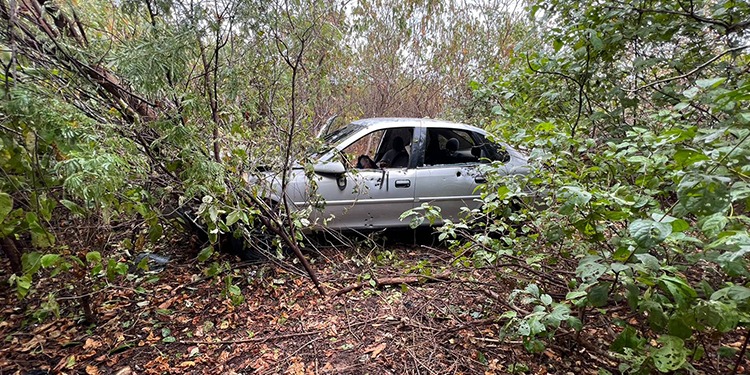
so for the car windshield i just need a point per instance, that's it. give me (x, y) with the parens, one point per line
(330, 140)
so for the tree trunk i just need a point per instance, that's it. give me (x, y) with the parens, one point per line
(8, 246)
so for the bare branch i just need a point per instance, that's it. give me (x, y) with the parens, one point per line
(694, 71)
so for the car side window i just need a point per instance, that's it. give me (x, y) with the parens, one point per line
(450, 146)
(490, 151)
(388, 148)
(365, 147)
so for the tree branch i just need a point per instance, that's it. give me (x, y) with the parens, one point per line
(695, 70)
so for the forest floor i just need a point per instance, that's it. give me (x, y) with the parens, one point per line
(378, 317)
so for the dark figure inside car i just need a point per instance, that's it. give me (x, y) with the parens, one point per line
(364, 162)
(397, 156)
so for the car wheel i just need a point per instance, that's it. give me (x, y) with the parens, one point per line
(248, 244)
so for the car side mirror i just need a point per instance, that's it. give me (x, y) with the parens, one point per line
(329, 167)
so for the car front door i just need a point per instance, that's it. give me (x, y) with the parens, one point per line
(364, 198)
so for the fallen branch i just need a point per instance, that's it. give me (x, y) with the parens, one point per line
(398, 280)
(253, 339)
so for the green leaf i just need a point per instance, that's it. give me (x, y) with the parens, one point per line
(31, 262)
(684, 157)
(575, 195)
(599, 295)
(572, 196)
(691, 92)
(703, 195)
(559, 314)
(234, 290)
(557, 44)
(533, 345)
(532, 289)
(575, 323)
(740, 191)
(679, 225)
(39, 236)
(73, 207)
(737, 293)
(628, 338)
(682, 293)
(649, 261)
(714, 224)
(115, 268)
(155, 232)
(632, 295)
(121, 268)
(93, 257)
(727, 352)
(49, 260)
(205, 253)
(23, 284)
(678, 326)
(213, 213)
(589, 269)
(508, 315)
(649, 233)
(111, 264)
(672, 354)
(710, 82)
(6, 205)
(596, 42)
(575, 295)
(233, 217)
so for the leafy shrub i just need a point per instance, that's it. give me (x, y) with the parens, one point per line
(640, 171)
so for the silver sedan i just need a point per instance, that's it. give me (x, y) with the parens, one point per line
(373, 170)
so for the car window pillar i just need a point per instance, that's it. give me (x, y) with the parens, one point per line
(419, 144)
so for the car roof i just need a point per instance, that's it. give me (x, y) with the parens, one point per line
(396, 122)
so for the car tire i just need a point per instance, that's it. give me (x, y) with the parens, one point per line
(237, 245)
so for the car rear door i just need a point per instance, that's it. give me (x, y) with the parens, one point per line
(448, 181)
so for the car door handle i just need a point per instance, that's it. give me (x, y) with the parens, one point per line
(403, 183)
(480, 179)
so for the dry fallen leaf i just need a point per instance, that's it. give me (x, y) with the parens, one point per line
(187, 364)
(92, 370)
(167, 304)
(91, 344)
(296, 368)
(375, 350)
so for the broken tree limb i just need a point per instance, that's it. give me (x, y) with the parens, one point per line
(268, 219)
(396, 280)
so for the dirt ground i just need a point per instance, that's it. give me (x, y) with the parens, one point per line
(405, 310)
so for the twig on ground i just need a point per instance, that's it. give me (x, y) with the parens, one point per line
(386, 281)
(741, 357)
